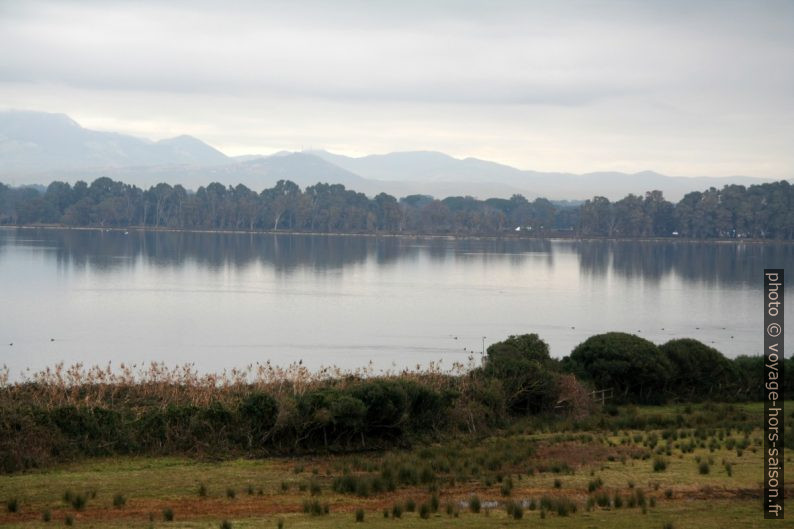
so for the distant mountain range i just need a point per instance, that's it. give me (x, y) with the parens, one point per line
(37, 147)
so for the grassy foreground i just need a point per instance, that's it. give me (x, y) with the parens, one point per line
(690, 476)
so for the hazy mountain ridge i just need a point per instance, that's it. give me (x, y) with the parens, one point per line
(37, 141)
(37, 147)
(438, 167)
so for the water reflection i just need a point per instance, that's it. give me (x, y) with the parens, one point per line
(705, 262)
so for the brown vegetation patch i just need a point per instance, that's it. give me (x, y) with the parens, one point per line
(577, 454)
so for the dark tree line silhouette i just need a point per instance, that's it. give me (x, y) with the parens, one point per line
(764, 211)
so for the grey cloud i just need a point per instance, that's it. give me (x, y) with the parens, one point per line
(601, 85)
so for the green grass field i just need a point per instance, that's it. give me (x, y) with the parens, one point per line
(711, 477)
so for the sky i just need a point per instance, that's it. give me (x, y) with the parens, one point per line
(683, 88)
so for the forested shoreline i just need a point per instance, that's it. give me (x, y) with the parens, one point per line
(764, 211)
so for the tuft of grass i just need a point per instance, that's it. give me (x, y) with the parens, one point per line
(12, 505)
(46, 515)
(119, 501)
(474, 504)
(557, 483)
(202, 490)
(410, 505)
(231, 493)
(424, 511)
(659, 464)
(602, 500)
(595, 484)
(168, 514)
(315, 489)
(226, 524)
(359, 515)
(397, 511)
(78, 501)
(704, 468)
(435, 502)
(315, 508)
(280, 523)
(68, 520)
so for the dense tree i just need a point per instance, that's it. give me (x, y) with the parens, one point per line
(761, 211)
(699, 371)
(526, 371)
(634, 367)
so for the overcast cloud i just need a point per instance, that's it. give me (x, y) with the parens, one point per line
(687, 88)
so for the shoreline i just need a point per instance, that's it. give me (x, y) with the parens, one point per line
(410, 236)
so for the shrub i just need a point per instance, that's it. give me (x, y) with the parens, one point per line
(704, 467)
(226, 524)
(359, 515)
(168, 514)
(474, 504)
(557, 483)
(68, 520)
(434, 503)
(280, 523)
(397, 511)
(410, 505)
(46, 515)
(659, 464)
(12, 505)
(258, 412)
(231, 493)
(202, 490)
(424, 511)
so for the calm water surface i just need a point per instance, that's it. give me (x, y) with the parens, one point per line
(223, 300)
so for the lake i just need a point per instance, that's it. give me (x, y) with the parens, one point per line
(228, 300)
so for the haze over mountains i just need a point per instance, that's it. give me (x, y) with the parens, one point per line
(37, 147)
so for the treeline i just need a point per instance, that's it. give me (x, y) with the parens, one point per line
(681, 370)
(63, 415)
(763, 211)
